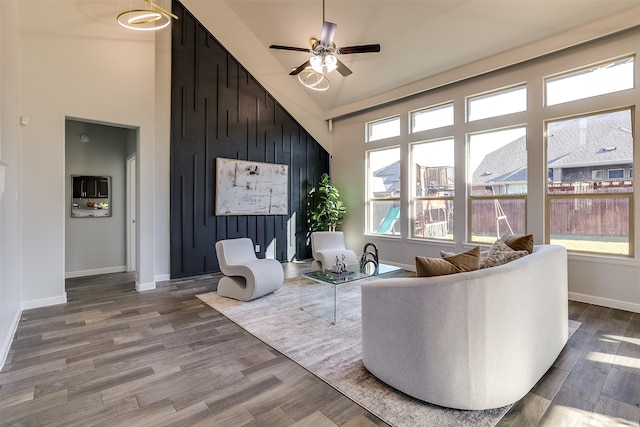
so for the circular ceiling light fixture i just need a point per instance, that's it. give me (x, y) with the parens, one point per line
(314, 80)
(149, 17)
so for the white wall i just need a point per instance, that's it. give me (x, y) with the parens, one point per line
(10, 219)
(609, 281)
(77, 62)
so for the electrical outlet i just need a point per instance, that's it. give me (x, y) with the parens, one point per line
(257, 248)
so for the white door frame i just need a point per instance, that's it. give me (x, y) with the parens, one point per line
(131, 213)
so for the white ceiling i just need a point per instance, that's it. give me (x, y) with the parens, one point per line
(424, 43)
(418, 38)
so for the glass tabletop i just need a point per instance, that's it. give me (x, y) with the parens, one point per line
(353, 273)
(320, 297)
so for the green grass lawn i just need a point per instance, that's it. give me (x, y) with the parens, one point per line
(592, 244)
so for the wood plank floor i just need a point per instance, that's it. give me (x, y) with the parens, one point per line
(113, 356)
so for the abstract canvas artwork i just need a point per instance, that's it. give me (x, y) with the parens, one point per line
(251, 188)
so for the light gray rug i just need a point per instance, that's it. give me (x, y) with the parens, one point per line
(333, 352)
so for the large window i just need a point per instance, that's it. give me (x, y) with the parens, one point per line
(383, 182)
(432, 171)
(497, 168)
(432, 117)
(589, 197)
(498, 103)
(607, 77)
(382, 129)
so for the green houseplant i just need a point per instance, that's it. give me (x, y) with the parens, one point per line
(328, 210)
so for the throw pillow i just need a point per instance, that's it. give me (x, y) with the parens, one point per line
(427, 267)
(456, 263)
(483, 256)
(466, 261)
(518, 243)
(500, 253)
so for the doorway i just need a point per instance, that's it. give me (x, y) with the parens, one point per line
(96, 243)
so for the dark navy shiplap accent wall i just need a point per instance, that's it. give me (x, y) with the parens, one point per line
(219, 110)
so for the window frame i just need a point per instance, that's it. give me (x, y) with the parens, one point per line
(497, 198)
(615, 170)
(492, 93)
(371, 199)
(414, 198)
(586, 197)
(440, 106)
(581, 70)
(369, 126)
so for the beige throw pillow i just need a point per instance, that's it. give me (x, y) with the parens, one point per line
(483, 256)
(466, 261)
(500, 253)
(427, 267)
(456, 263)
(518, 243)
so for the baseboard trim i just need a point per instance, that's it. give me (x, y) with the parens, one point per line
(605, 302)
(145, 286)
(162, 278)
(44, 302)
(95, 271)
(6, 342)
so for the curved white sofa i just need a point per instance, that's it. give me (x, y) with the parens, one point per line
(473, 340)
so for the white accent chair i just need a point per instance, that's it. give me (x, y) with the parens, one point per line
(246, 276)
(325, 246)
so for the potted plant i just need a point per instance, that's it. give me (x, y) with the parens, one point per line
(329, 210)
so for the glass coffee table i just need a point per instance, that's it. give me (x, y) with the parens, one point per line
(321, 297)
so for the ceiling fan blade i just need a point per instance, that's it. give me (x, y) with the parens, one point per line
(328, 31)
(297, 49)
(365, 48)
(343, 69)
(298, 70)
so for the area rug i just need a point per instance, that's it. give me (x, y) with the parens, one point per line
(333, 352)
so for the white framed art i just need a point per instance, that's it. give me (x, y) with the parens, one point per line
(251, 188)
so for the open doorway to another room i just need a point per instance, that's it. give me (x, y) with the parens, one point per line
(100, 198)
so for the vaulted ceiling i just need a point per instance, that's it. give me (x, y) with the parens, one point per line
(419, 39)
(424, 43)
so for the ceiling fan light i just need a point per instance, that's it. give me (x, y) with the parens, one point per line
(316, 63)
(331, 62)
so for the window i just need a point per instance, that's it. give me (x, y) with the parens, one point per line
(615, 173)
(383, 189)
(506, 101)
(385, 128)
(597, 175)
(585, 212)
(432, 117)
(498, 187)
(432, 196)
(607, 77)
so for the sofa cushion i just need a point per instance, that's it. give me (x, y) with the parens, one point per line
(518, 243)
(456, 263)
(500, 253)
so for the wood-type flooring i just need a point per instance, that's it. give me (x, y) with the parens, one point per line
(113, 356)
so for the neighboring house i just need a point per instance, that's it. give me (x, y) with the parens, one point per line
(585, 153)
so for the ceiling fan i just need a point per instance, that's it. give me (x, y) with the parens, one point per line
(325, 52)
